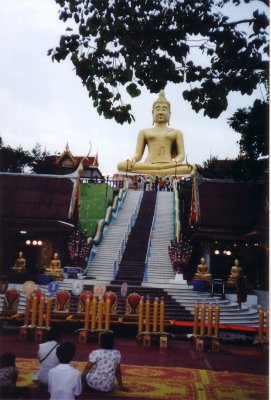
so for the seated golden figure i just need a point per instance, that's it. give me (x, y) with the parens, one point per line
(234, 272)
(54, 268)
(165, 145)
(20, 263)
(202, 270)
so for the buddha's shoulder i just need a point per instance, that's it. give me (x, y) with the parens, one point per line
(164, 129)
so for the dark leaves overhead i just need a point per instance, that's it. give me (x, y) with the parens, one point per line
(135, 43)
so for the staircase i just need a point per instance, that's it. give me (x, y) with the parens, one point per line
(159, 268)
(179, 298)
(132, 266)
(229, 310)
(101, 267)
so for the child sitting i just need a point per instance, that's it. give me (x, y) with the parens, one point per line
(64, 381)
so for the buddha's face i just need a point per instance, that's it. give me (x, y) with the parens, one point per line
(161, 112)
(236, 262)
(20, 254)
(55, 256)
(202, 260)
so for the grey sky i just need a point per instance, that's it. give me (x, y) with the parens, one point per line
(45, 102)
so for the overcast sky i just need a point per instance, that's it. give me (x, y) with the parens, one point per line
(45, 102)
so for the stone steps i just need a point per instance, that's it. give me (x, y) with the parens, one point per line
(101, 267)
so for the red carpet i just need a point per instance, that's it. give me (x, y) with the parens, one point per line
(151, 382)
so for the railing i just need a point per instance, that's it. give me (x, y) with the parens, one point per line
(177, 227)
(111, 182)
(122, 246)
(145, 278)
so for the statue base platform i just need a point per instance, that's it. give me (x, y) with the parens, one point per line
(199, 285)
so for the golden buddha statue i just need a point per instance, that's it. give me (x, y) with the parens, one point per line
(165, 145)
(202, 270)
(54, 268)
(20, 263)
(234, 272)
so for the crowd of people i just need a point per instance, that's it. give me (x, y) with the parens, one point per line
(149, 184)
(58, 377)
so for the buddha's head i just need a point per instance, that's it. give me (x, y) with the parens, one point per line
(161, 108)
(202, 260)
(236, 262)
(55, 256)
(21, 254)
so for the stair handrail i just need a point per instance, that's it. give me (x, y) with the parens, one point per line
(177, 225)
(145, 278)
(123, 243)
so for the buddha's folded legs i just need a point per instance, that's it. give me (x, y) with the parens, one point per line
(158, 169)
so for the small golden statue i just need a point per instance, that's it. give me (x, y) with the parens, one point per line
(234, 272)
(202, 271)
(20, 263)
(54, 268)
(165, 145)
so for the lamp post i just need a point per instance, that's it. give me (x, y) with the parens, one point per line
(127, 161)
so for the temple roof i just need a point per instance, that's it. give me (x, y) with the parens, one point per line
(232, 210)
(36, 200)
(66, 162)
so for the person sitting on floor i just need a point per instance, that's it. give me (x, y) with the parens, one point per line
(104, 366)
(47, 355)
(8, 379)
(64, 381)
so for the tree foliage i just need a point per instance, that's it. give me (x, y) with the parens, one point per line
(253, 125)
(135, 43)
(19, 160)
(239, 169)
(14, 160)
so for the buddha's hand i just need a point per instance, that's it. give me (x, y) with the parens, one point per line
(132, 162)
(179, 158)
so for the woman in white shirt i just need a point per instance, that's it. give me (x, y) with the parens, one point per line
(47, 355)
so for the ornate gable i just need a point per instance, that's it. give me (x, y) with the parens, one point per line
(66, 159)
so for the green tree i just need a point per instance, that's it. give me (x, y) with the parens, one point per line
(41, 163)
(253, 125)
(14, 160)
(239, 169)
(135, 43)
(20, 160)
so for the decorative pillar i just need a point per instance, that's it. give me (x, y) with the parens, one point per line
(210, 320)
(140, 315)
(196, 317)
(48, 312)
(107, 313)
(87, 308)
(202, 319)
(147, 315)
(100, 313)
(155, 315)
(34, 310)
(162, 315)
(217, 315)
(27, 310)
(41, 310)
(93, 314)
